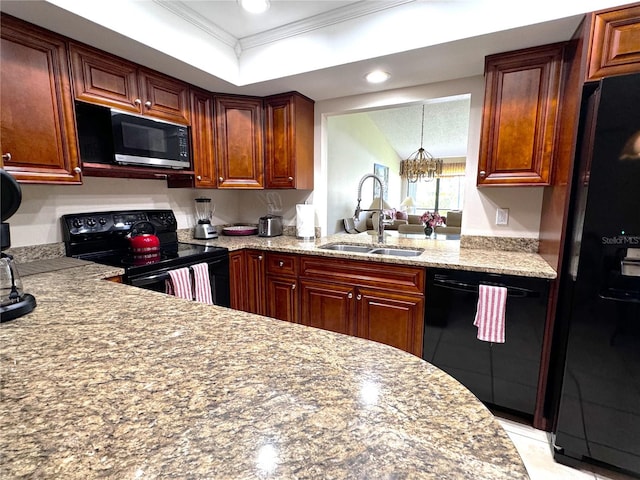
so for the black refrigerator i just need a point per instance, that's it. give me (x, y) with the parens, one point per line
(597, 340)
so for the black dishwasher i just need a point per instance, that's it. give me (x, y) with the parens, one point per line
(503, 375)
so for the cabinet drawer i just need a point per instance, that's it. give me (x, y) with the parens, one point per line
(383, 276)
(282, 264)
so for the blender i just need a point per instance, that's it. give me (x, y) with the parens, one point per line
(204, 211)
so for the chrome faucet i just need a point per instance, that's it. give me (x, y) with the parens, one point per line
(356, 215)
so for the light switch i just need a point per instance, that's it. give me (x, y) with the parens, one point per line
(502, 216)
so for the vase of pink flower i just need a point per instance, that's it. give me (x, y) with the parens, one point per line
(430, 220)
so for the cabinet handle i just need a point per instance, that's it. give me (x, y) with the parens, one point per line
(147, 104)
(77, 170)
(281, 263)
(350, 295)
(221, 179)
(359, 297)
(199, 177)
(137, 101)
(482, 173)
(291, 179)
(293, 287)
(6, 157)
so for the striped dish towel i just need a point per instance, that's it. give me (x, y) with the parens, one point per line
(201, 283)
(492, 304)
(179, 283)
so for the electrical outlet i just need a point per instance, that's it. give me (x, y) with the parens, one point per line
(502, 216)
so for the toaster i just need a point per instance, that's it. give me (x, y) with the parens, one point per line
(270, 226)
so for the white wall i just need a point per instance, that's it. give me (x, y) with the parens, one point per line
(37, 221)
(524, 203)
(354, 145)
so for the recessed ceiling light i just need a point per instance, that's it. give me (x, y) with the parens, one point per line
(377, 76)
(255, 6)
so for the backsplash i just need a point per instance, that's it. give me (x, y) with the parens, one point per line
(509, 244)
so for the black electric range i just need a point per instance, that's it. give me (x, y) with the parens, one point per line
(101, 237)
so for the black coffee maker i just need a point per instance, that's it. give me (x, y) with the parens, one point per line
(13, 301)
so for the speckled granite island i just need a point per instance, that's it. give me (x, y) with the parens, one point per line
(105, 380)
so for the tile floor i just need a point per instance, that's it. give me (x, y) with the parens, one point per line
(534, 447)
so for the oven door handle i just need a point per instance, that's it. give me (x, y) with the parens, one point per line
(147, 279)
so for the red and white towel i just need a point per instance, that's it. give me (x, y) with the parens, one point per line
(179, 283)
(490, 316)
(201, 283)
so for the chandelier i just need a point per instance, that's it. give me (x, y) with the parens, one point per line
(421, 165)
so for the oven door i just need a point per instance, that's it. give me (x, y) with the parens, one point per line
(218, 276)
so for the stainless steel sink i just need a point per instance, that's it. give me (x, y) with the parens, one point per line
(398, 252)
(346, 248)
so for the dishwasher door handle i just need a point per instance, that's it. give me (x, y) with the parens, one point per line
(473, 287)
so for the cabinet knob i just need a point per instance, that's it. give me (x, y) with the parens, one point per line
(291, 179)
(137, 101)
(359, 297)
(147, 104)
(260, 257)
(77, 170)
(350, 295)
(483, 173)
(6, 157)
(220, 179)
(199, 177)
(293, 286)
(281, 263)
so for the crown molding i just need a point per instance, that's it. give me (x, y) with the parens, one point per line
(316, 22)
(182, 10)
(322, 20)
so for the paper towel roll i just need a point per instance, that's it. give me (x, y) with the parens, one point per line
(305, 221)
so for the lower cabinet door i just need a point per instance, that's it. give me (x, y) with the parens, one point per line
(282, 298)
(392, 319)
(328, 306)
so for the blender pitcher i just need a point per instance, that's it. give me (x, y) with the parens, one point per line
(204, 211)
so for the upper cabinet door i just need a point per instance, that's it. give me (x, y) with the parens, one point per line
(111, 81)
(520, 114)
(38, 136)
(289, 141)
(615, 42)
(239, 142)
(164, 97)
(202, 139)
(103, 79)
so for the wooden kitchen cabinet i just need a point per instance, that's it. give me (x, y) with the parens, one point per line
(384, 303)
(615, 42)
(202, 139)
(239, 142)
(247, 280)
(328, 305)
(282, 286)
(108, 80)
(520, 116)
(289, 141)
(37, 137)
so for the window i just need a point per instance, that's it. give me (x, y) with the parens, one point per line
(443, 194)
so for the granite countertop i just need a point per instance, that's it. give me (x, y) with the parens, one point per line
(437, 253)
(104, 380)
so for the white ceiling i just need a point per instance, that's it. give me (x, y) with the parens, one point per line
(322, 49)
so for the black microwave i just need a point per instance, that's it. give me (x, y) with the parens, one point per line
(111, 136)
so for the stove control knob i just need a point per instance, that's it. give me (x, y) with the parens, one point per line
(91, 222)
(102, 221)
(77, 222)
